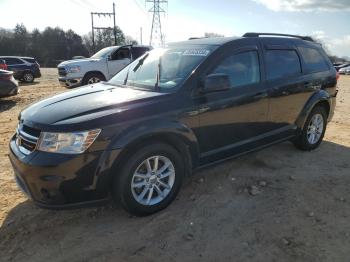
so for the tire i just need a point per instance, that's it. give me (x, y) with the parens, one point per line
(28, 77)
(92, 78)
(127, 195)
(304, 141)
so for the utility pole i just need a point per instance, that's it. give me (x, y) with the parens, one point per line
(103, 28)
(114, 28)
(140, 35)
(157, 37)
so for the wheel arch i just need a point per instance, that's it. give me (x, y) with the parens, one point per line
(186, 148)
(321, 98)
(94, 72)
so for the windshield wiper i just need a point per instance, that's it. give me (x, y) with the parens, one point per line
(156, 86)
(140, 63)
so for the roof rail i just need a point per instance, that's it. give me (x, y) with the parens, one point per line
(307, 38)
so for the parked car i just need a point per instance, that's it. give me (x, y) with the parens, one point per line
(344, 70)
(25, 69)
(342, 66)
(173, 110)
(8, 85)
(101, 66)
(3, 65)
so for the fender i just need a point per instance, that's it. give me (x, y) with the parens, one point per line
(142, 131)
(317, 97)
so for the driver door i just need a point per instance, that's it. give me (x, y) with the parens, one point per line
(118, 60)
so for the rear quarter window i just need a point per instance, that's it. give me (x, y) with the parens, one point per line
(29, 60)
(313, 59)
(282, 64)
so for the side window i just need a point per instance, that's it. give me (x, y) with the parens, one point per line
(314, 61)
(13, 61)
(122, 53)
(243, 68)
(282, 63)
(138, 51)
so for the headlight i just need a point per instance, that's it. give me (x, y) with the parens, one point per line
(73, 69)
(67, 143)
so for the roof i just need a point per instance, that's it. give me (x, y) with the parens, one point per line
(16, 56)
(206, 41)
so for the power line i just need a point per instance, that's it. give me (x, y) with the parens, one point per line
(112, 14)
(157, 37)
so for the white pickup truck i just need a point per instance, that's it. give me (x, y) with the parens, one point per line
(102, 66)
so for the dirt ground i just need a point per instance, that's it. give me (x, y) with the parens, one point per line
(299, 209)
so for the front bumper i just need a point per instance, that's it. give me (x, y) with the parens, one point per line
(61, 181)
(70, 82)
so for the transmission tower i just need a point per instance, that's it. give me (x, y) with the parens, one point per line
(157, 37)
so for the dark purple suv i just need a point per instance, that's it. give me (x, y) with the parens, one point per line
(25, 69)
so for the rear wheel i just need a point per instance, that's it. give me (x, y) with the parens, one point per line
(313, 131)
(93, 78)
(28, 77)
(150, 179)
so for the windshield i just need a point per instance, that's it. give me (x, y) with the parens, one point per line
(103, 52)
(162, 69)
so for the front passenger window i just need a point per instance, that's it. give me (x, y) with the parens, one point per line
(122, 53)
(242, 69)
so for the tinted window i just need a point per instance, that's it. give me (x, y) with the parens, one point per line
(282, 63)
(138, 51)
(13, 61)
(243, 68)
(314, 61)
(30, 60)
(122, 53)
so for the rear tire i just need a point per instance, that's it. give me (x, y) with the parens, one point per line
(144, 187)
(93, 78)
(314, 129)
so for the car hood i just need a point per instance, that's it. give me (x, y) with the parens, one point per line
(78, 62)
(85, 104)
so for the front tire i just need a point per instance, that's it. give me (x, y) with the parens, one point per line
(149, 180)
(314, 129)
(93, 78)
(28, 77)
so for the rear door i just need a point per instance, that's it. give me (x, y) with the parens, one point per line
(16, 65)
(285, 82)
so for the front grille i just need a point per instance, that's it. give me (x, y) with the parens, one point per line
(62, 71)
(27, 138)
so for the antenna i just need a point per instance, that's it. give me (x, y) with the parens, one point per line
(157, 37)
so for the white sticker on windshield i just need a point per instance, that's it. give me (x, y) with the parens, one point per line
(196, 52)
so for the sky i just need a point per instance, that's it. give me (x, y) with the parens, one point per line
(328, 20)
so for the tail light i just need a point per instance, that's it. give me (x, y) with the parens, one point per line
(337, 76)
(3, 66)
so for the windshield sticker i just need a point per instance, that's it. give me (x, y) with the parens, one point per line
(196, 52)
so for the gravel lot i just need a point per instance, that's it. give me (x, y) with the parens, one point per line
(279, 204)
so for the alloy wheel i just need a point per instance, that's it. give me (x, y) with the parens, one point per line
(153, 180)
(315, 129)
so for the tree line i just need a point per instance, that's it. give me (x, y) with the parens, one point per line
(53, 45)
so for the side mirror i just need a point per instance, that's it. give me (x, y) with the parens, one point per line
(109, 58)
(216, 83)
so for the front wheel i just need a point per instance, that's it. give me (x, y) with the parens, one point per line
(150, 179)
(314, 129)
(93, 78)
